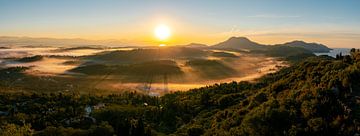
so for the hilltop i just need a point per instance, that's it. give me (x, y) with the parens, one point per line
(239, 43)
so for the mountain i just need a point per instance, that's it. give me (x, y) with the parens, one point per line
(243, 43)
(292, 51)
(289, 53)
(239, 43)
(314, 47)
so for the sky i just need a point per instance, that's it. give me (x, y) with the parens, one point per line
(335, 23)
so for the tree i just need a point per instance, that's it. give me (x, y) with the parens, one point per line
(104, 129)
(15, 130)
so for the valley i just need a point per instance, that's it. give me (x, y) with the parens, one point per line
(166, 69)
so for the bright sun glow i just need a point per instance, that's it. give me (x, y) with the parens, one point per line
(162, 32)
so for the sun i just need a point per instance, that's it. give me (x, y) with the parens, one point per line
(162, 32)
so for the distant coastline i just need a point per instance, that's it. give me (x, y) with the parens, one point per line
(335, 51)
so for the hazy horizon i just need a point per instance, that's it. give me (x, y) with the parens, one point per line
(333, 23)
(68, 42)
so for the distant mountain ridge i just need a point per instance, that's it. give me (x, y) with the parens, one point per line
(243, 43)
(26, 41)
(314, 47)
(233, 43)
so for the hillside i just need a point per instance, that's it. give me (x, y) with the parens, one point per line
(317, 96)
(291, 54)
(30, 59)
(314, 47)
(141, 55)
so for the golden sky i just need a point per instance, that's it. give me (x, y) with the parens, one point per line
(333, 23)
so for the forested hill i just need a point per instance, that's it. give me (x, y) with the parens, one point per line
(314, 47)
(243, 43)
(318, 96)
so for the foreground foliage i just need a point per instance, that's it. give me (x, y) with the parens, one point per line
(318, 96)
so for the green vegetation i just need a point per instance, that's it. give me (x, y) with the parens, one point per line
(317, 96)
(30, 59)
(14, 79)
(16, 130)
(4, 47)
(223, 54)
(143, 55)
(72, 62)
(292, 54)
(132, 71)
(211, 69)
(314, 47)
(141, 65)
(93, 47)
(64, 114)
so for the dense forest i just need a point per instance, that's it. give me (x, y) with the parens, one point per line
(315, 96)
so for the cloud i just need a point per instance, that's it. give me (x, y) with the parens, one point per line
(273, 16)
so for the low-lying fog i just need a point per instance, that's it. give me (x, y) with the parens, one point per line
(62, 62)
(251, 67)
(54, 59)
